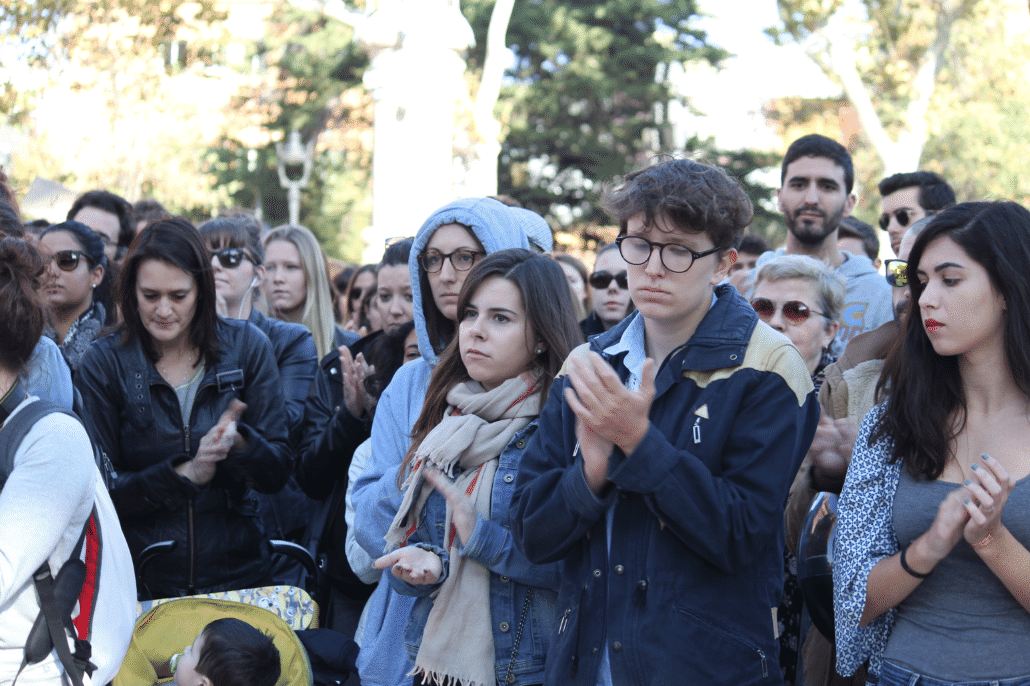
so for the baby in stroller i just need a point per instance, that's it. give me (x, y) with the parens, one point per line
(228, 652)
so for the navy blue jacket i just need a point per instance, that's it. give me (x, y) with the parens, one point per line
(688, 591)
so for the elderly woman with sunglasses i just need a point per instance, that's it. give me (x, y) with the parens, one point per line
(801, 298)
(76, 287)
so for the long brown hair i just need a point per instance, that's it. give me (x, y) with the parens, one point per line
(551, 317)
(926, 406)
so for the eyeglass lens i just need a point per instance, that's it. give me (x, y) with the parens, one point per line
(601, 280)
(67, 260)
(794, 310)
(897, 273)
(902, 215)
(461, 259)
(229, 257)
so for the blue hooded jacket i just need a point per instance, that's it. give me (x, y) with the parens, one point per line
(683, 587)
(376, 496)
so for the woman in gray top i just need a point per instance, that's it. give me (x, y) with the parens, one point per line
(931, 552)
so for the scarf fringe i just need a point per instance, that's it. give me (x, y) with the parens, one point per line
(434, 678)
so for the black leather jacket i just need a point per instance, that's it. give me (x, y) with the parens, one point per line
(134, 416)
(329, 436)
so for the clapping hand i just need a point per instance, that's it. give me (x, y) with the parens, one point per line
(215, 446)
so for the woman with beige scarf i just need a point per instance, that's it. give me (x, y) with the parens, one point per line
(484, 611)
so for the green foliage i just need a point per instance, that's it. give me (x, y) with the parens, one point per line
(587, 97)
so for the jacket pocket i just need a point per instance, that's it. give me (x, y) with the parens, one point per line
(725, 656)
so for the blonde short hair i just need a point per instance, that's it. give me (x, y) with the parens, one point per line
(830, 288)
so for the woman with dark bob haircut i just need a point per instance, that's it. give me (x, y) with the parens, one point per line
(189, 409)
(934, 519)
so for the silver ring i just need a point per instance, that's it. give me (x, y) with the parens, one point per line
(989, 510)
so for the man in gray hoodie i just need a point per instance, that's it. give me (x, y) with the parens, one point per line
(816, 180)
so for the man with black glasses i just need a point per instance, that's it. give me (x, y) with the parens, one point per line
(909, 197)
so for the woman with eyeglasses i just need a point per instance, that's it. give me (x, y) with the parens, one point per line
(932, 541)
(450, 242)
(609, 292)
(188, 407)
(76, 287)
(296, 285)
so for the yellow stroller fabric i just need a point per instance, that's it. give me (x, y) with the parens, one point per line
(168, 628)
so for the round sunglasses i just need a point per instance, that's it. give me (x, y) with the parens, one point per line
(904, 216)
(795, 311)
(68, 260)
(601, 280)
(230, 258)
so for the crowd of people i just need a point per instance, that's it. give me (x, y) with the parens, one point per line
(515, 468)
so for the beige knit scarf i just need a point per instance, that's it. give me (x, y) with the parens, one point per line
(457, 643)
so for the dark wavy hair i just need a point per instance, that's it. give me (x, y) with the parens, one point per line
(694, 197)
(235, 653)
(815, 145)
(176, 242)
(926, 408)
(551, 317)
(89, 243)
(112, 203)
(22, 312)
(934, 192)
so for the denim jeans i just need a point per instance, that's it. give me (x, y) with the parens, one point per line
(893, 675)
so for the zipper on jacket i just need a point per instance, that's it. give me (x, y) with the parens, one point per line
(186, 438)
(564, 622)
(765, 666)
(191, 589)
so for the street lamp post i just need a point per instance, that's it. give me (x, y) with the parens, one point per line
(295, 154)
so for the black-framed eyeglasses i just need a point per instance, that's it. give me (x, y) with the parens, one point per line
(461, 259)
(904, 216)
(68, 260)
(675, 257)
(601, 280)
(230, 258)
(795, 311)
(897, 273)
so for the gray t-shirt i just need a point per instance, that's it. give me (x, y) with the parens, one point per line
(960, 624)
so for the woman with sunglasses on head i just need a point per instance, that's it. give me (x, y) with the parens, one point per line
(609, 292)
(188, 407)
(76, 287)
(296, 285)
(516, 326)
(933, 530)
(450, 242)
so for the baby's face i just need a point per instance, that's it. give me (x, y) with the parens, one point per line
(186, 673)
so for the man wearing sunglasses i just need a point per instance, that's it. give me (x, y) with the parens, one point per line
(609, 292)
(815, 194)
(909, 197)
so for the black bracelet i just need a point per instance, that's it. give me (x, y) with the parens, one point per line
(904, 565)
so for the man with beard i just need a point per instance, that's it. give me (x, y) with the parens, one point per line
(816, 179)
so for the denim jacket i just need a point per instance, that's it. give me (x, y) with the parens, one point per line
(511, 577)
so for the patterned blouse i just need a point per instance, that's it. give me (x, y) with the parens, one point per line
(865, 535)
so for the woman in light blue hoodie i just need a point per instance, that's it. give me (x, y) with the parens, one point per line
(450, 242)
